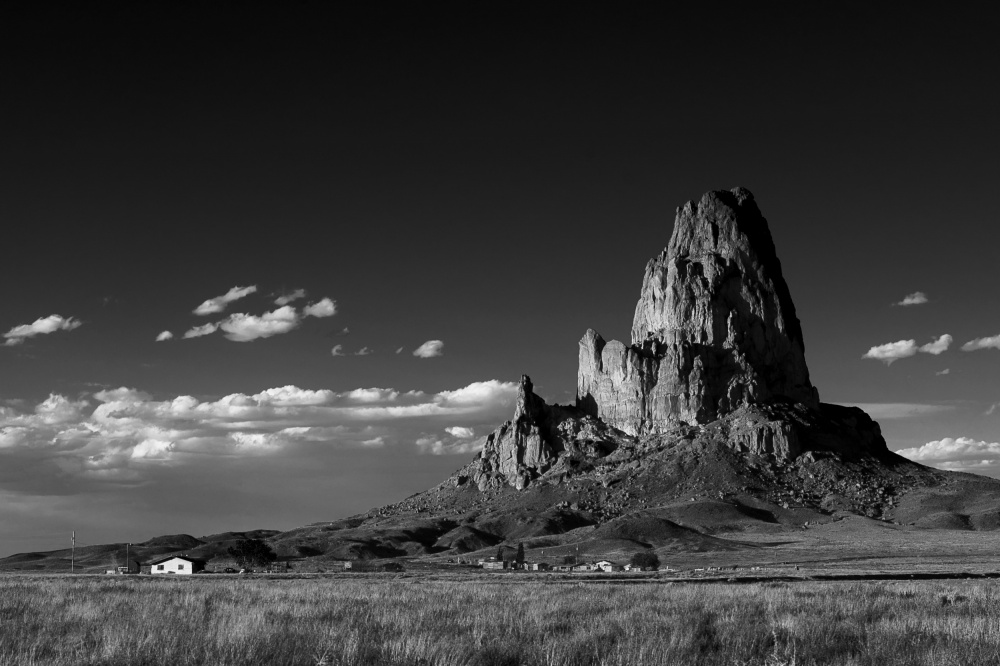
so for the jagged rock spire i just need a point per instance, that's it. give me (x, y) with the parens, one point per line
(714, 329)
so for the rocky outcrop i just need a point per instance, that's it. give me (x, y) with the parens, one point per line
(716, 355)
(521, 448)
(714, 330)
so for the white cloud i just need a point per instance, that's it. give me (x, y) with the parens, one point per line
(399, 351)
(241, 327)
(364, 351)
(943, 372)
(128, 433)
(198, 331)
(338, 350)
(41, 326)
(439, 447)
(898, 410)
(285, 299)
(219, 303)
(982, 343)
(916, 298)
(961, 453)
(165, 335)
(938, 346)
(429, 349)
(892, 351)
(992, 409)
(322, 308)
(370, 395)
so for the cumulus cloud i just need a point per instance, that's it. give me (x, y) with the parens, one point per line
(198, 331)
(121, 434)
(241, 327)
(893, 351)
(916, 298)
(899, 410)
(219, 303)
(959, 454)
(938, 346)
(338, 350)
(323, 308)
(41, 326)
(165, 335)
(285, 299)
(429, 349)
(982, 343)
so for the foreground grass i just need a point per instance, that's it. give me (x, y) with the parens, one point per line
(63, 620)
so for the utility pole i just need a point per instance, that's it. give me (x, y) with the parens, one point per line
(72, 557)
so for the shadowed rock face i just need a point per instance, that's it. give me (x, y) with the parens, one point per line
(714, 329)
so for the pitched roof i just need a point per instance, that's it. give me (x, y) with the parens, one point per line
(178, 557)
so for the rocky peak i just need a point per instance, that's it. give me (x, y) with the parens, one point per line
(714, 330)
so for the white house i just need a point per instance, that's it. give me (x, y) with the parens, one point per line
(604, 565)
(177, 564)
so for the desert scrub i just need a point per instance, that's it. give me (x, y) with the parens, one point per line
(382, 620)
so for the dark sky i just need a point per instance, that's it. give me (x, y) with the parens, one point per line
(494, 178)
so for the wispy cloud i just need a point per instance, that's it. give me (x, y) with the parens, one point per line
(429, 349)
(338, 350)
(899, 410)
(323, 308)
(198, 331)
(165, 335)
(893, 351)
(285, 299)
(943, 372)
(916, 298)
(982, 343)
(957, 454)
(219, 303)
(41, 326)
(442, 446)
(364, 351)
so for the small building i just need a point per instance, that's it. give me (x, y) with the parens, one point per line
(177, 564)
(538, 566)
(583, 567)
(495, 564)
(131, 566)
(605, 565)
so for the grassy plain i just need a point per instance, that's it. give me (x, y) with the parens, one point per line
(497, 620)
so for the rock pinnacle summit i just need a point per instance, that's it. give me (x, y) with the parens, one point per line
(716, 355)
(714, 329)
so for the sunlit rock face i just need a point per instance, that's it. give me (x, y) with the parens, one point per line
(715, 329)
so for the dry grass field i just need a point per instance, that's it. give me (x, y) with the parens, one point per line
(509, 620)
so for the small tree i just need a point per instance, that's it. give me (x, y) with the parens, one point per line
(646, 559)
(251, 553)
(519, 558)
(569, 559)
(499, 553)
